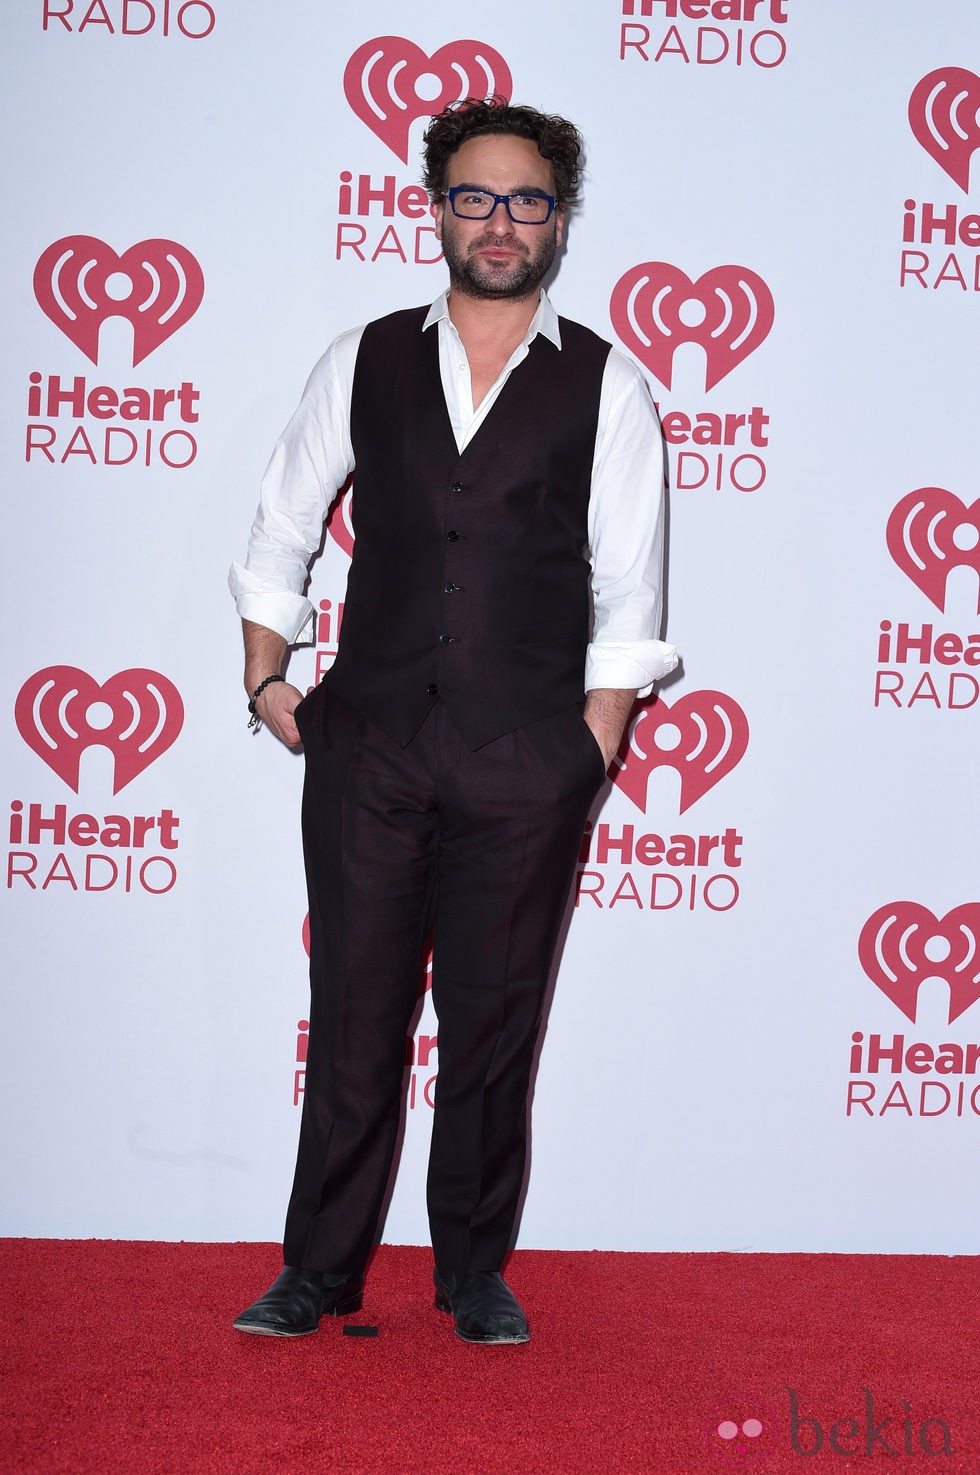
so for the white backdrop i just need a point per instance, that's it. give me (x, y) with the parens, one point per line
(762, 1032)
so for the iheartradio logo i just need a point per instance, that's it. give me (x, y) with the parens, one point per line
(390, 82)
(655, 308)
(929, 533)
(903, 944)
(156, 285)
(703, 736)
(61, 711)
(944, 114)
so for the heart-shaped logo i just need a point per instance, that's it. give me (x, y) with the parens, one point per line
(930, 532)
(703, 736)
(156, 286)
(655, 308)
(944, 114)
(902, 944)
(389, 82)
(61, 711)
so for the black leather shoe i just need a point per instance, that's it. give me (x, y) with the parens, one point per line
(296, 1299)
(483, 1307)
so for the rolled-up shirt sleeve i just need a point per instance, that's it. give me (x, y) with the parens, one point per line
(311, 461)
(626, 537)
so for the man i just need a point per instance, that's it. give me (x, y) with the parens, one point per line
(499, 450)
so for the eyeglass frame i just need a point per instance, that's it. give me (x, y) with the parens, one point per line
(451, 193)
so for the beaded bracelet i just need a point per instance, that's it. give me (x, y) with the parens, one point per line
(255, 719)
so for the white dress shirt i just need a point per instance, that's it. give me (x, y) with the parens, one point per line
(314, 457)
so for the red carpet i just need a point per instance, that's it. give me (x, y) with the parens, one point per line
(120, 1357)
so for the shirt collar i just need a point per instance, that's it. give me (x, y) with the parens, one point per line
(545, 320)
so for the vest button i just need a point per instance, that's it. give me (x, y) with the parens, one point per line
(452, 536)
(450, 588)
(445, 640)
(432, 690)
(457, 486)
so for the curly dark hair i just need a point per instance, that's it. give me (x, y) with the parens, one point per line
(556, 139)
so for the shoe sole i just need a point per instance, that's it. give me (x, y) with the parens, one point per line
(442, 1304)
(270, 1329)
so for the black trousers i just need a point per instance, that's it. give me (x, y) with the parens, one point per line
(479, 847)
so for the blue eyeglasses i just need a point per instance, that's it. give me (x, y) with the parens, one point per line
(529, 208)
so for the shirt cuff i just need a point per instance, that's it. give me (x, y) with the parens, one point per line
(625, 665)
(289, 615)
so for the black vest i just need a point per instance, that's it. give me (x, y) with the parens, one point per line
(469, 582)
